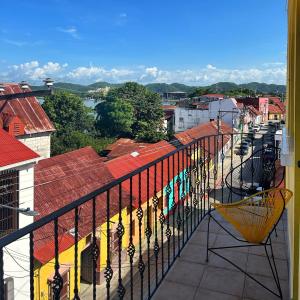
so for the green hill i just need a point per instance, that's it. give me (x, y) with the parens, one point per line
(220, 87)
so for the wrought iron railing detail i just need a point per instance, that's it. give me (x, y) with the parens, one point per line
(139, 223)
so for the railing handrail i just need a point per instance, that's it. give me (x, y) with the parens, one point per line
(12, 237)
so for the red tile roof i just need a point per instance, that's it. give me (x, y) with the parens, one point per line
(214, 96)
(274, 109)
(27, 109)
(253, 110)
(124, 146)
(125, 164)
(169, 107)
(60, 180)
(277, 101)
(203, 130)
(13, 151)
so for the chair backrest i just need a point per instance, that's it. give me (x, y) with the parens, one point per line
(255, 217)
(257, 170)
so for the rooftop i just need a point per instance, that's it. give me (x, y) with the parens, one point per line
(14, 152)
(27, 109)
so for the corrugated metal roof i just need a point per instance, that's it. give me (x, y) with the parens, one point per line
(275, 109)
(27, 109)
(205, 130)
(125, 164)
(12, 151)
(124, 146)
(61, 179)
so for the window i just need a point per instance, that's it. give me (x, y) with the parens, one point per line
(9, 185)
(9, 288)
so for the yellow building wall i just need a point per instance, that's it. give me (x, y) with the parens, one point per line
(45, 272)
(293, 132)
(103, 235)
(272, 117)
(66, 259)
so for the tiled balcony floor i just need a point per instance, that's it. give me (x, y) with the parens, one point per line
(191, 277)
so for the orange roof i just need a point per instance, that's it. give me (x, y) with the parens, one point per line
(124, 146)
(59, 181)
(169, 107)
(13, 151)
(275, 109)
(253, 110)
(127, 163)
(27, 109)
(205, 130)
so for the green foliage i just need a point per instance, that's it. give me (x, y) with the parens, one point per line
(199, 92)
(69, 141)
(74, 123)
(220, 87)
(145, 119)
(115, 118)
(68, 112)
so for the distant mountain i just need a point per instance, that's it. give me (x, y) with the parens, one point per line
(79, 88)
(220, 87)
(167, 88)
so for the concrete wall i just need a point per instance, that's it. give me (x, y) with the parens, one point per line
(225, 105)
(187, 118)
(16, 255)
(39, 143)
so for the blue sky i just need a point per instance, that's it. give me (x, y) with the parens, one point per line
(195, 41)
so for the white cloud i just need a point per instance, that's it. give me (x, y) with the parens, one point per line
(35, 71)
(72, 31)
(98, 74)
(210, 67)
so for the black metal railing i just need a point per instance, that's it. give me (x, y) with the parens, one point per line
(147, 217)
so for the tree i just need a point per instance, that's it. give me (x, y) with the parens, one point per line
(68, 112)
(69, 141)
(200, 92)
(115, 118)
(147, 114)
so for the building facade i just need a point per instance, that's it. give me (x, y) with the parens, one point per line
(26, 120)
(16, 192)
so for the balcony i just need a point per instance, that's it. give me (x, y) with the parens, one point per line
(144, 234)
(191, 277)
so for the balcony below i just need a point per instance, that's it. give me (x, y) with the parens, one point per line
(191, 277)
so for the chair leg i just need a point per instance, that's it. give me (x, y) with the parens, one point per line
(207, 238)
(275, 269)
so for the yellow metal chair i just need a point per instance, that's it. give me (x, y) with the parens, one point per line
(254, 218)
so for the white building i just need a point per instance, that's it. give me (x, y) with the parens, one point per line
(226, 109)
(186, 118)
(16, 190)
(26, 120)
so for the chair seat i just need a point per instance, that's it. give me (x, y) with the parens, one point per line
(255, 216)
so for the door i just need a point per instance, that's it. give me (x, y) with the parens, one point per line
(87, 265)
